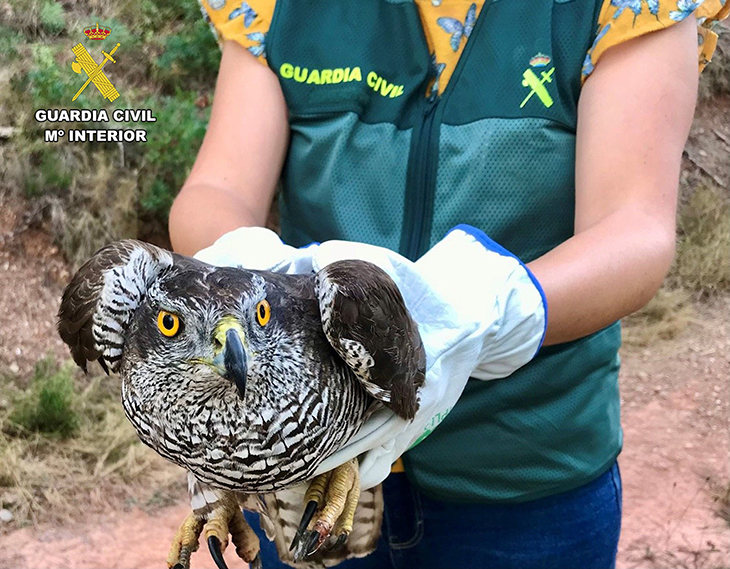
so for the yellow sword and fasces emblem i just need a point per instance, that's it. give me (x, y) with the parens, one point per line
(84, 62)
(537, 84)
(537, 87)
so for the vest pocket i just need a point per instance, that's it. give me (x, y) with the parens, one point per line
(370, 58)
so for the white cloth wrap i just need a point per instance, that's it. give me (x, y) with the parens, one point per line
(479, 311)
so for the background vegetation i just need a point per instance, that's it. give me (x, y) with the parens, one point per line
(65, 444)
(66, 447)
(167, 62)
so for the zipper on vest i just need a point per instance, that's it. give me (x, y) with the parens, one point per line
(423, 160)
(424, 181)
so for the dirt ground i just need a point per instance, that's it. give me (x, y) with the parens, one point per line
(32, 276)
(675, 461)
(674, 468)
(674, 465)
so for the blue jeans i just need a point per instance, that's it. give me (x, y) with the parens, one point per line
(578, 529)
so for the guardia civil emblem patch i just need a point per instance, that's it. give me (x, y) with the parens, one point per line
(94, 72)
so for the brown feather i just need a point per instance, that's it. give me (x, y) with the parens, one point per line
(81, 298)
(368, 308)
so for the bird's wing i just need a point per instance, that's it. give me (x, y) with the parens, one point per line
(366, 321)
(100, 301)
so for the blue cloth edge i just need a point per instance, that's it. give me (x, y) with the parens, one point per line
(491, 245)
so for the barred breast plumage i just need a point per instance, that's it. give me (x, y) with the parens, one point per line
(247, 379)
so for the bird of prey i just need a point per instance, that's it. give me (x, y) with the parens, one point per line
(249, 380)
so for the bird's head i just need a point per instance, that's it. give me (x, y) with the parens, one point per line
(169, 321)
(209, 328)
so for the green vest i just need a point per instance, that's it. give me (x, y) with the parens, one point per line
(372, 159)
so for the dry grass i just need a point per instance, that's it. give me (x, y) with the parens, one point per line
(663, 318)
(109, 211)
(703, 249)
(701, 269)
(88, 197)
(37, 18)
(689, 556)
(47, 476)
(721, 496)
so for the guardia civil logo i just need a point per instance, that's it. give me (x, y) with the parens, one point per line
(84, 63)
(536, 84)
(95, 72)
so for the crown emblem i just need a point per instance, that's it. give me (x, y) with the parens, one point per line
(540, 60)
(97, 33)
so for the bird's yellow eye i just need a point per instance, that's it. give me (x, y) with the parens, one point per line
(263, 312)
(168, 323)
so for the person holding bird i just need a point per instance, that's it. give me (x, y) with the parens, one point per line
(516, 164)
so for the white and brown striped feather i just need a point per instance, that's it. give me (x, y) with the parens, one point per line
(333, 338)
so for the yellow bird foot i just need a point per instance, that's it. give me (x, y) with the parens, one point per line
(333, 497)
(185, 542)
(224, 520)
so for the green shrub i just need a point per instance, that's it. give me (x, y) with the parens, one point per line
(49, 172)
(132, 59)
(9, 41)
(172, 146)
(49, 405)
(149, 16)
(192, 57)
(46, 84)
(52, 17)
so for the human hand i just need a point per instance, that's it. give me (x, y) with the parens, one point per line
(480, 314)
(479, 311)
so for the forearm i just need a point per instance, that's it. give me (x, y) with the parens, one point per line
(603, 273)
(233, 180)
(203, 213)
(634, 115)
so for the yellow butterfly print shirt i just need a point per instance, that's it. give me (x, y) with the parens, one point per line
(447, 25)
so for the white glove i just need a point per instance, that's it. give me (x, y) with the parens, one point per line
(480, 314)
(257, 249)
(479, 311)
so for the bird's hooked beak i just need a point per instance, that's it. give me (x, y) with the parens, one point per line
(230, 358)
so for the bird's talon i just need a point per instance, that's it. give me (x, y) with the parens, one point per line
(334, 544)
(340, 542)
(184, 560)
(214, 546)
(309, 543)
(333, 497)
(314, 541)
(309, 511)
(229, 520)
(185, 543)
